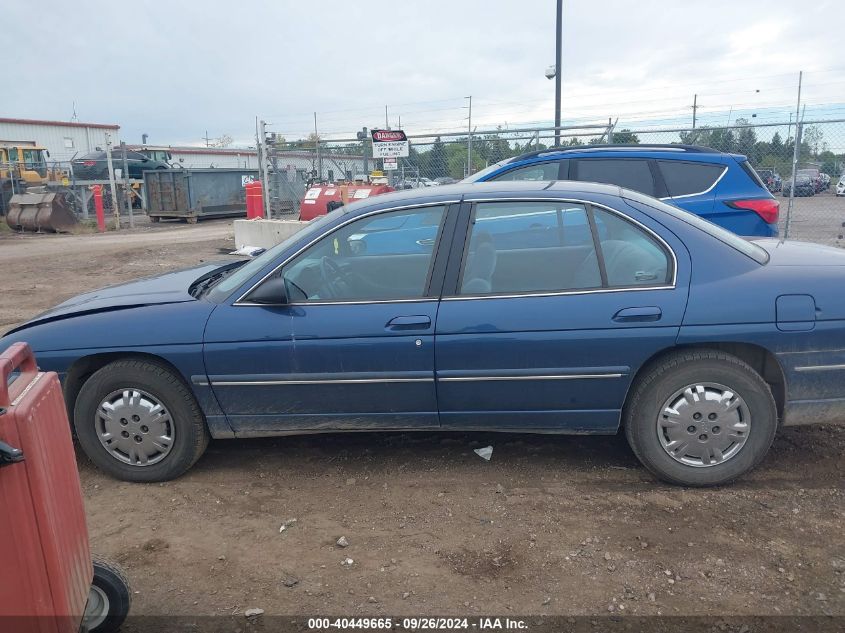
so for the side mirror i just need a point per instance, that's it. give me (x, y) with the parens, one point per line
(271, 292)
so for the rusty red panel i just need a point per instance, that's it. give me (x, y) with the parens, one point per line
(44, 530)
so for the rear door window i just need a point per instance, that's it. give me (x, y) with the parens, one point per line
(630, 173)
(684, 179)
(537, 171)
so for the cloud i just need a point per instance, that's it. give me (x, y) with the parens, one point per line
(178, 70)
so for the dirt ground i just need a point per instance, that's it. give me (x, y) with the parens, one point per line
(551, 525)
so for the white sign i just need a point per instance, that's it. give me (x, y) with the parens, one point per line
(245, 180)
(390, 144)
(391, 164)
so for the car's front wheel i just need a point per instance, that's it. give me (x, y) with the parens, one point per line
(138, 421)
(700, 418)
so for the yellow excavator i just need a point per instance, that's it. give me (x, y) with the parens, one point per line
(24, 197)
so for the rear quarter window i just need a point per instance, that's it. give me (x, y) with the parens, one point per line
(688, 178)
(748, 169)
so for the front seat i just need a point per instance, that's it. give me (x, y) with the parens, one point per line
(478, 278)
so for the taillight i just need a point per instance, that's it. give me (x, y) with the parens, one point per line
(767, 208)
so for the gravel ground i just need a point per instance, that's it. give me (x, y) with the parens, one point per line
(551, 525)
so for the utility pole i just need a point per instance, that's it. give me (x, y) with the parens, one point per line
(207, 144)
(265, 189)
(558, 67)
(797, 143)
(112, 185)
(469, 138)
(317, 149)
(386, 122)
(694, 109)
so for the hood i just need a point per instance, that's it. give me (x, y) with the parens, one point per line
(790, 253)
(168, 288)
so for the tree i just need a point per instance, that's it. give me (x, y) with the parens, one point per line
(746, 141)
(626, 136)
(813, 136)
(437, 161)
(776, 146)
(222, 141)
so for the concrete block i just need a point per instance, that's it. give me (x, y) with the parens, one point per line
(265, 233)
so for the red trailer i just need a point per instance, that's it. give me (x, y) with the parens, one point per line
(320, 199)
(49, 584)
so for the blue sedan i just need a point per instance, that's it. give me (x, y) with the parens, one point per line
(559, 307)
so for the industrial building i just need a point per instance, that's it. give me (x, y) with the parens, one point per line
(63, 139)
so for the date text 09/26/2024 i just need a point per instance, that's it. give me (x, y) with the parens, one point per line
(418, 624)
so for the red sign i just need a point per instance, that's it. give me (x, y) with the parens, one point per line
(386, 136)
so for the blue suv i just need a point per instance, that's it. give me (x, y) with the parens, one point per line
(720, 187)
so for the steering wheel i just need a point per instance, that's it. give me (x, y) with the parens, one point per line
(331, 273)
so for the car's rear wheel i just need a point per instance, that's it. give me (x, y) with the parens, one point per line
(700, 418)
(138, 421)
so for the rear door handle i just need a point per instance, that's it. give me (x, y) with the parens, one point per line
(412, 322)
(646, 313)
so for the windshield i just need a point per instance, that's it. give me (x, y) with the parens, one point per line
(233, 281)
(479, 175)
(755, 252)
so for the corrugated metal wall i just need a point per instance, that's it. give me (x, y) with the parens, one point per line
(196, 160)
(57, 138)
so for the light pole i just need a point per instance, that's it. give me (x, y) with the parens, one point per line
(553, 72)
(558, 66)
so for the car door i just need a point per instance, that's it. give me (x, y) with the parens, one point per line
(533, 336)
(351, 344)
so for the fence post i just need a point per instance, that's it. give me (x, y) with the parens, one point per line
(112, 186)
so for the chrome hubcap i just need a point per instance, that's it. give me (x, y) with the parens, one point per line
(96, 609)
(703, 425)
(134, 427)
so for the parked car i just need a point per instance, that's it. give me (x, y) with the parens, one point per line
(696, 342)
(94, 166)
(771, 179)
(840, 188)
(804, 186)
(722, 188)
(825, 181)
(815, 176)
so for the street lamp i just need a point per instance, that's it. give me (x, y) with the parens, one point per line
(552, 71)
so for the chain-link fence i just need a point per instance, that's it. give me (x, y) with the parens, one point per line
(816, 211)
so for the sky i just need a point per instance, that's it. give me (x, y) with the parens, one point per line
(180, 69)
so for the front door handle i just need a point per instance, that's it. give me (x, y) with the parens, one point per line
(631, 315)
(413, 322)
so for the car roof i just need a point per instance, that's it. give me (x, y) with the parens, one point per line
(477, 191)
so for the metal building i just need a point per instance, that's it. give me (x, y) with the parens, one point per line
(63, 139)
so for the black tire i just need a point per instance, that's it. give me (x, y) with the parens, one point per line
(190, 432)
(109, 582)
(682, 369)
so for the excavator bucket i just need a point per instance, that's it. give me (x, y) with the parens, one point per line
(40, 212)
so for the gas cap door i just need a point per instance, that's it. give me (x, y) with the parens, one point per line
(795, 313)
